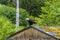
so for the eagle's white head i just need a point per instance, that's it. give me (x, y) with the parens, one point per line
(27, 19)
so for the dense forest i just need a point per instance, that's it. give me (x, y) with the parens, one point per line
(44, 12)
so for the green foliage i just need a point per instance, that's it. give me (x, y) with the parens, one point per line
(3, 2)
(32, 6)
(10, 12)
(21, 28)
(51, 13)
(23, 15)
(11, 3)
(6, 27)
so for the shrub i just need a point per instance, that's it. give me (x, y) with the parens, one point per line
(50, 13)
(10, 13)
(6, 27)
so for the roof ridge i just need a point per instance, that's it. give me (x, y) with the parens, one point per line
(39, 29)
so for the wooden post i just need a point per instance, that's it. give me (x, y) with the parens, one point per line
(17, 14)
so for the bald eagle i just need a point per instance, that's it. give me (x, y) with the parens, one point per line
(30, 21)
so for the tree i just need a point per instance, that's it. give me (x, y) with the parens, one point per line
(10, 13)
(6, 27)
(51, 13)
(11, 3)
(32, 6)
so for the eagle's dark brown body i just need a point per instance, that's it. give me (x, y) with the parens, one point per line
(31, 22)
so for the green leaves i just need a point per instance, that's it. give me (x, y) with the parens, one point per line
(32, 6)
(50, 13)
(8, 19)
(23, 15)
(10, 13)
(6, 27)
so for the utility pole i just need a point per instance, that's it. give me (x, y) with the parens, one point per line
(17, 15)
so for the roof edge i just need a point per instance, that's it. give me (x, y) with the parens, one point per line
(39, 29)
